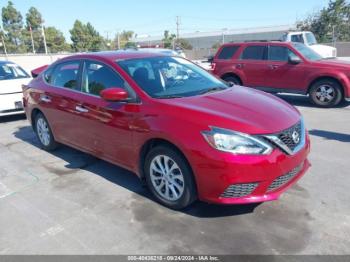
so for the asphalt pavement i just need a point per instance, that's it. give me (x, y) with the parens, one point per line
(67, 202)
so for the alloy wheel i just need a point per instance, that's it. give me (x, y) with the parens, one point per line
(325, 93)
(167, 178)
(43, 132)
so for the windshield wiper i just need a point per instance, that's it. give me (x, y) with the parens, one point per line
(211, 90)
(168, 96)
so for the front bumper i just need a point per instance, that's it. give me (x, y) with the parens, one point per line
(260, 174)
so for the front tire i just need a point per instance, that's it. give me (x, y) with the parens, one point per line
(326, 93)
(44, 133)
(169, 177)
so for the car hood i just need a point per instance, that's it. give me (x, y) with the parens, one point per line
(334, 63)
(239, 108)
(324, 50)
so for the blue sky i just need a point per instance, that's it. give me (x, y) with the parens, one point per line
(152, 17)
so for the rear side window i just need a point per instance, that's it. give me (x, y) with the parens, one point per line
(254, 53)
(66, 75)
(227, 52)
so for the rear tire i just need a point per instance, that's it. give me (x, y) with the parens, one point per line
(326, 93)
(44, 133)
(169, 177)
(233, 80)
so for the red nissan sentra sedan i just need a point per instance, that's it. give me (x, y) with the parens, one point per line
(181, 130)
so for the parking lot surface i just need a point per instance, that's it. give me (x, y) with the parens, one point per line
(67, 202)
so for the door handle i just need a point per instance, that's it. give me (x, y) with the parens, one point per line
(239, 66)
(273, 67)
(81, 109)
(45, 99)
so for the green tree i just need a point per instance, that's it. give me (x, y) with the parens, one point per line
(124, 39)
(85, 37)
(55, 40)
(184, 44)
(335, 16)
(216, 45)
(12, 22)
(34, 19)
(168, 39)
(34, 22)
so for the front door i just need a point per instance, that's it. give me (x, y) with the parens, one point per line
(281, 74)
(105, 126)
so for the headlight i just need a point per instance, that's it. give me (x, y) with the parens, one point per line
(236, 142)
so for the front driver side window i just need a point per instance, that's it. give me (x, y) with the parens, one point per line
(98, 77)
(280, 53)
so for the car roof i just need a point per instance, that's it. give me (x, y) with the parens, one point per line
(258, 43)
(3, 62)
(116, 55)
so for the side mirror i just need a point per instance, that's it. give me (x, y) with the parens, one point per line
(210, 59)
(114, 94)
(294, 60)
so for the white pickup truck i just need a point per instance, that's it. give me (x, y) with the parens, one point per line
(308, 38)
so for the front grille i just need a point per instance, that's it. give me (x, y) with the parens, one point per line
(282, 180)
(290, 140)
(239, 190)
(286, 136)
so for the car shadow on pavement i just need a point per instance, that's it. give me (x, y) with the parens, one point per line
(303, 100)
(330, 135)
(12, 118)
(77, 160)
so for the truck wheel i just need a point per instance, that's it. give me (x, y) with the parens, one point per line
(233, 80)
(326, 93)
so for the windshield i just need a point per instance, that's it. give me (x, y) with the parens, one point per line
(12, 71)
(307, 52)
(170, 77)
(310, 38)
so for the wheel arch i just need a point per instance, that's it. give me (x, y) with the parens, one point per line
(333, 78)
(33, 114)
(153, 142)
(232, 74)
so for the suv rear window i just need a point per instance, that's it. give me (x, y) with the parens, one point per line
(254, 52)
(227, 52)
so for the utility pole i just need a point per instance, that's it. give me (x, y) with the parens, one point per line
(44, 38)
(31, 37)
(177, 28)
(118, 40)
(4, 45)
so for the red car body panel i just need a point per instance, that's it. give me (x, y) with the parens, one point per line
(117, 132)
(281, 75)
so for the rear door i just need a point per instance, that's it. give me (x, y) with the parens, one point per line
(281, 74)
(224, 59)
(253, 64)
(58, 99)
